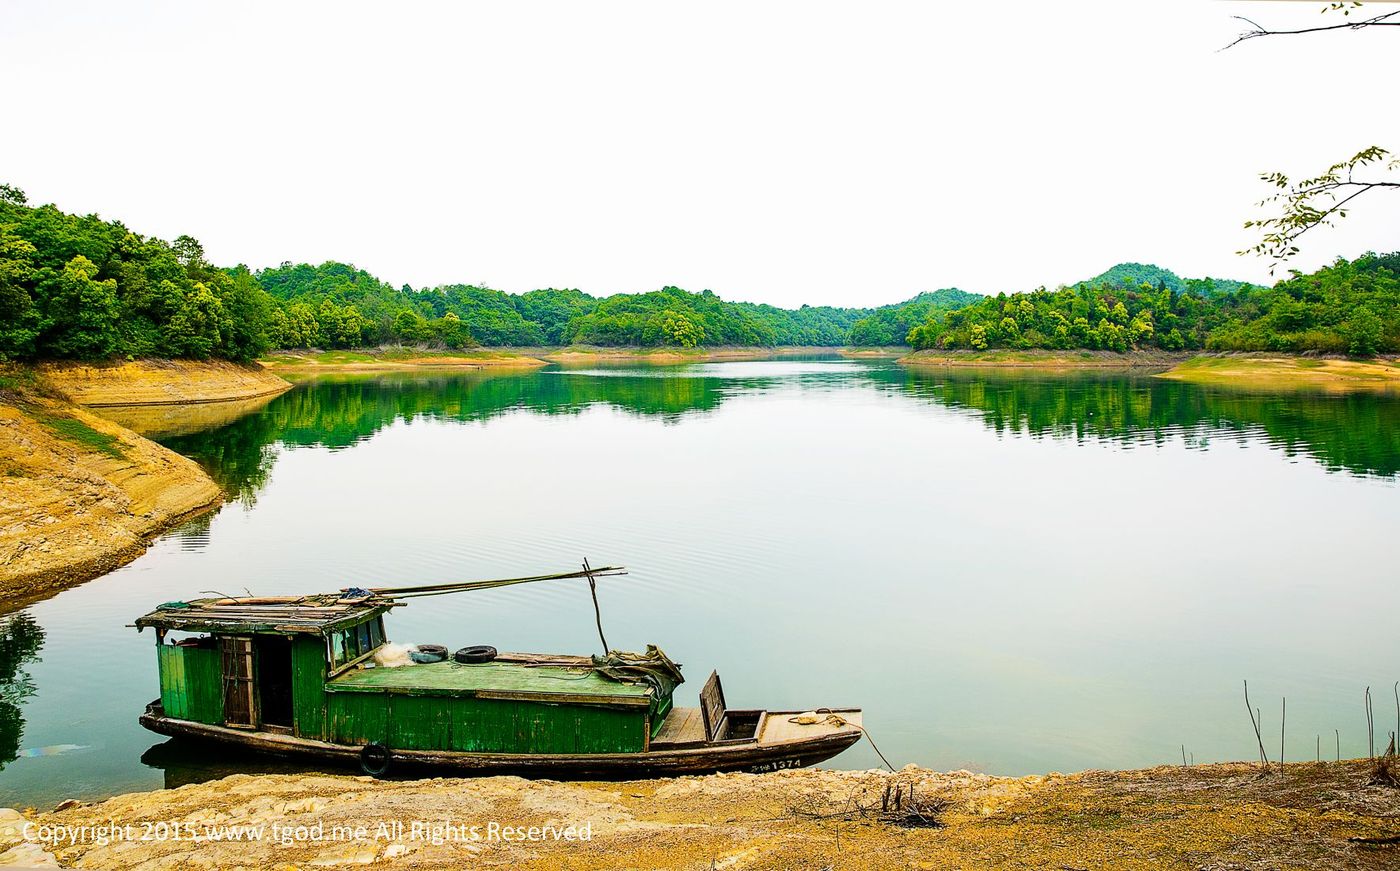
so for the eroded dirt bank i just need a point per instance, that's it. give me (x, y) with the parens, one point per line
(1270, 372)
(159, 382)
(1205, 817)
(80, 495)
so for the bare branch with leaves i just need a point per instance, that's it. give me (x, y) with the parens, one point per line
(1385, 19)
(1319, 201)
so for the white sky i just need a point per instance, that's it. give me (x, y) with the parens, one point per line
(779, 152)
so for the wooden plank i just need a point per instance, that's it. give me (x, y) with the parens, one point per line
(240, 704)
(681, 726)
(309, 687)
(204, 686)
(712, 707)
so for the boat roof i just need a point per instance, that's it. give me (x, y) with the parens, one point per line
(316, 614)
(514, 680)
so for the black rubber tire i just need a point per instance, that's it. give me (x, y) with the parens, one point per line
(475, 653)
(375, 759)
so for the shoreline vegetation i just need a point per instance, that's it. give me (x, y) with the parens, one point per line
(88, 289)
(1313, 814)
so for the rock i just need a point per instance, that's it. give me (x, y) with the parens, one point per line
(28, 855)
(350, 854)
(66, 804)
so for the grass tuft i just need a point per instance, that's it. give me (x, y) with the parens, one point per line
(74, 430)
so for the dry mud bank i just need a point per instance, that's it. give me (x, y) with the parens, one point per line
(159, 382)
(80, 495)
(1211, 817)
(1273, 372)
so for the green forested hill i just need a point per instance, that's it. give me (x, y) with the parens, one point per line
(890, 325)
(1350, 307)
(80, 287)
(354, 308)
(1137, 274)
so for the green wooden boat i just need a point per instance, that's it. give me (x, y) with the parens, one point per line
(296, 677)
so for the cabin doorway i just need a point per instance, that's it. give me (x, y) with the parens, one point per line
(240, 708)
(274, 659)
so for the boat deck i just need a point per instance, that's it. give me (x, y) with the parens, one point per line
(682, 726)
(495, 680)
(685, 727)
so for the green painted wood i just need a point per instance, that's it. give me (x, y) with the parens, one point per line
(309, 687)
(482, 725)
(191, 685)
(172, 681)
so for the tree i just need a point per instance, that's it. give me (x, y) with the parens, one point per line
(451, 332)
(1363, 332)
(188, 251)
(409, 326)
(197, 328)
(19, 317)
(80, 312)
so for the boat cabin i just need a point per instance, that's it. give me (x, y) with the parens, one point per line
(303, 667)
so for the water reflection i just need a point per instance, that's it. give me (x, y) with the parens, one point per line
(20, 641)
(1357, 433)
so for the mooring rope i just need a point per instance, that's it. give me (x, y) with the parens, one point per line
(834, 719)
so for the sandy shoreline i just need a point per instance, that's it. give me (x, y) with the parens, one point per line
(1242, 370)
(1272, 372)
(1209, 816)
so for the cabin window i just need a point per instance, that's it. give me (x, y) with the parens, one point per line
(338, 656)
(347, 645)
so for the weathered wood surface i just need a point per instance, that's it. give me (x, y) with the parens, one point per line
(712, 707)
(496, 679)
(318, 614)
(682, 727)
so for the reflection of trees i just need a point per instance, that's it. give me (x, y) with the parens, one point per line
(1356, 432)
(20, 640)
(339, 412)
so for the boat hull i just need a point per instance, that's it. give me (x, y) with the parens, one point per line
(706, 758)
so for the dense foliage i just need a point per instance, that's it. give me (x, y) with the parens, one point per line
(334, 294)
(81, 287)
(1349, 307)
(890, 325)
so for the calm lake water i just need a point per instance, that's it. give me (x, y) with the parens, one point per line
(1011, 573)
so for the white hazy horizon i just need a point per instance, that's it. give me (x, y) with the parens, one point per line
(787, 153)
